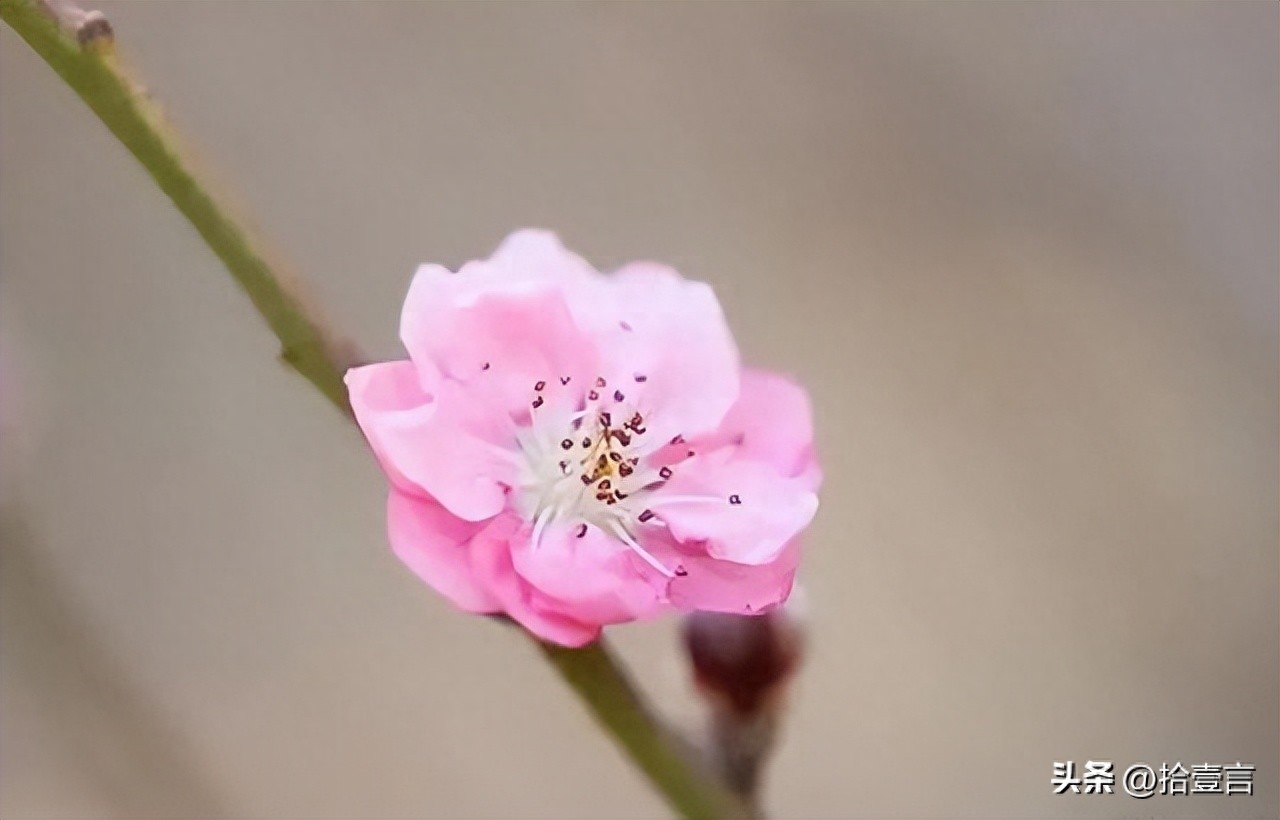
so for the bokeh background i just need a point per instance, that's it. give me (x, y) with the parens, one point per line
(1024, 255)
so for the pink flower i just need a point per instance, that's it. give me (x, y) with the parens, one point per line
(576, 450)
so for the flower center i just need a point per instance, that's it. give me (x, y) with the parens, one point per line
(590, 466)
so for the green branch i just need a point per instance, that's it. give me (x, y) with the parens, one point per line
(600, 681)
(81, 51)
(86, 60)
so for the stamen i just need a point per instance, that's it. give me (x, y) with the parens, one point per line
(626, 538)
(663, 500)
(540, 525)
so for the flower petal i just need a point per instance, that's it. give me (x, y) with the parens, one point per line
(491, 552)
(435, 544)
(434, 446)
(741, 508)
(595, 577)
(666, 348)
(504, 321)
(770, 422)
(724, 586)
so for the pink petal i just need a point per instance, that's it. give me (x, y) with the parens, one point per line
(724, 586)
(666, 349)
(771, 422)
(595, 578)
(742, 509)
(434, 544)
(435, 446)
(504, 322)
(491, 554)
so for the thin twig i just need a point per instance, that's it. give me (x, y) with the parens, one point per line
(79, 46)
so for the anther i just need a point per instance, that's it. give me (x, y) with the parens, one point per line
(586, 442)
(605, 484)
(681, 572)
(617, 395)
(625, 470)
(645, 516)
(606, 419)
(539, 385)
(582, 530)
(586, 479)
(593, 395)
(641, 378)
(566, 444)
(735, 499)
(565, 380)
(678, 440)
(537, 402)
(665, 472)
(600, 382)
(485, 366)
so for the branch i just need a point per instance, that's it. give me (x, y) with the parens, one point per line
(79, 46)
(600, 681)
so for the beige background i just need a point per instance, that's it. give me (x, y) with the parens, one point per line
(1024, 255)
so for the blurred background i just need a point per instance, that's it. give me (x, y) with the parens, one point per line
(1024, 256)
